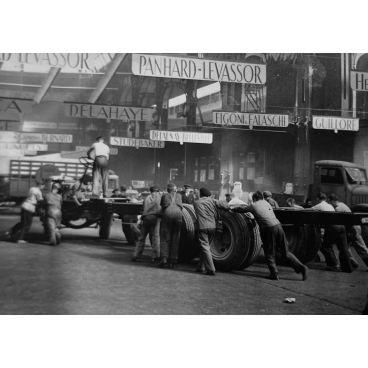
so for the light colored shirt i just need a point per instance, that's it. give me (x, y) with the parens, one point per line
(151, 205)
(342, 207)
(101, 149)
(323, 206)
(34, 196)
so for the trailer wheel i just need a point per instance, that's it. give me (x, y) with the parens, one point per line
(105, 225)
(78, 224)
(189, 247)
(129, 234)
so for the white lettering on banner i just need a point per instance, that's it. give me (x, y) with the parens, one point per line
(200, 69)
(113, 151)
(135, 142)
(68, 126)
(109, 112)
(335, 123)
(68, 62)
(14, 137)
(182, 137)
(226, 118)
(26, 147)
(358, 81)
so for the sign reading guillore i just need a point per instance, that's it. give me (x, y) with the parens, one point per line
(335, 123)
(200, 69)
(251, 120)
(181, 137)
(109, 112)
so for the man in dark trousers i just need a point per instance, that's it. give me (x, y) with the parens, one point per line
(272, 236)
(100, 171)
(187, 197)
(206, 209)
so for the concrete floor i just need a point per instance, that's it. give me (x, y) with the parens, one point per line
(86, 275)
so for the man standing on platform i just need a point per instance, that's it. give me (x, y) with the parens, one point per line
(100, 170)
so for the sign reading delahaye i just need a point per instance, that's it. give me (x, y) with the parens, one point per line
(181, 137)
(138, 143)
(359, 81)
(109, 112)
(200, 69)
(335, 123)
(251, 120)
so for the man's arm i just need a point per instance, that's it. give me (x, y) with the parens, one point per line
(90, 150)
(241, 208)
(223, 205)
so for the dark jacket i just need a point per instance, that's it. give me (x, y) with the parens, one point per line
(188, 199)
(206, 211)
(166, 201)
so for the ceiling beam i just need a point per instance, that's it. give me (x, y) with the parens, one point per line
(105, 79)
(53, 73)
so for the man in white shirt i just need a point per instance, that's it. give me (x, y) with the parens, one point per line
(100, 171)
(334, 234)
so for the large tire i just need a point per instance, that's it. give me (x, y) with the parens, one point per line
(105, 225)
(78, 224)
(129, 234)
(304, 241)
(189, 247)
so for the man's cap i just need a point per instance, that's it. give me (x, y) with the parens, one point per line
(187, 186)
(204, 192)
(267, 194)
(227, 195)
(41, 182)
(56, 185)
(123, 188)
(116, 189)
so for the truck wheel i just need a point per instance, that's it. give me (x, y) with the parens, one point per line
(105, 225)
(78, 224)
(129, 234)
(231, 247)
(189, 245)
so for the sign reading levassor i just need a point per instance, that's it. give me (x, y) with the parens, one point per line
(359, 81)
(200, 69)
(109, 112)
(251, 120)
(335, 123)
(181, 137)
(138, 143)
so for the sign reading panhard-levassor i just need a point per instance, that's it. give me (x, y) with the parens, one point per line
(124, 113)
(199, 69)
(335, 123)
(181, 137)
(228, 118)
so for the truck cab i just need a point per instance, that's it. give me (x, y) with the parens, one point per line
(346, 179)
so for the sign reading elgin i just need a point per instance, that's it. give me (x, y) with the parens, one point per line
(109, 112)
(200, 69)
(335, 123)
(181, 137)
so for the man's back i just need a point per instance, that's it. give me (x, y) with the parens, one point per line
(206, 211)
(264, 214)
(101, 149)
(342, 207)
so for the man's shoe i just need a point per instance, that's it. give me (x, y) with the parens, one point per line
(22, 241)
(134, 259)
(305, 273)
(272, 277)
(354, 265)
(333, 268)
(202, 271)
(163, 263)
(210, 273)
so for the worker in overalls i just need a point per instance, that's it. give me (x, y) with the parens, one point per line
(53, 202)
(100, 171)
(171, 205)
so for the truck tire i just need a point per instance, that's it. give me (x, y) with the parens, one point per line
(105, 225)
(189, 247)
(129, 234)
(304, 241)
(78, 224)
(231, 247)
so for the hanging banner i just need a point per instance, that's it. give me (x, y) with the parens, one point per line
(39, 125)
(109, 112)
(181, 137)
(358, 81)
(226, 118)
(15, 137)
(14, 105)
(68, 62)
(22, 146)
(136, 142)
(199, 69)
(335, 123)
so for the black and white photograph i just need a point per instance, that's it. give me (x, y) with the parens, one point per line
(140, 183)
